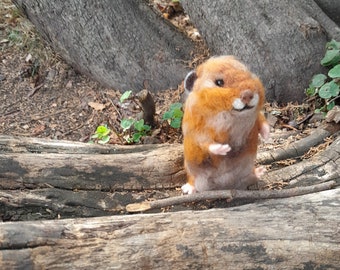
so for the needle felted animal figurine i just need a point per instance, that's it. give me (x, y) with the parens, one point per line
(221, 122)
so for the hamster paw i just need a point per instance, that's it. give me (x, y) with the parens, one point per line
(265, 132)
(219, 149)
(260, 171)
(188, 189)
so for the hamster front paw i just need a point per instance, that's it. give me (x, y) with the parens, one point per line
(219, 149)
(265, 131)
(260, 171)
(188, 189)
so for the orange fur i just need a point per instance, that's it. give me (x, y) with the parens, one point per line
(214, 115)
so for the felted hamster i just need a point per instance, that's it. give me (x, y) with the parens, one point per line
(221, 122)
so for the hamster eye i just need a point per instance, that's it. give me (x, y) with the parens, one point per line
(219, 82)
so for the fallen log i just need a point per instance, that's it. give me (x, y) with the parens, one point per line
(46, 179)
(296, 233)
(34, 163)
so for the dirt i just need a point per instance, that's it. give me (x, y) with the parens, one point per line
(42, 96)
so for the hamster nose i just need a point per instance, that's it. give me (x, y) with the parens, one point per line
(246, 96)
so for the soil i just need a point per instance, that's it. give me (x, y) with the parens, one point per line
(42, 96)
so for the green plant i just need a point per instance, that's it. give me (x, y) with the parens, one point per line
(133, 129)
(139, 130)
(101, 135)
(327, 87)
(174, 115)
(125, 96)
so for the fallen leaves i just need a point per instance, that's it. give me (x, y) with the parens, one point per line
(97, 106)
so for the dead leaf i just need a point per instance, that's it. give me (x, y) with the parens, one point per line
(97, 106)
(69, 84)
(333, 115)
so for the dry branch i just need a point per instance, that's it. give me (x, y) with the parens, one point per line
(229, 195)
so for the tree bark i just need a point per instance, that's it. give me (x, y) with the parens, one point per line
(281, 41)
(36, 162)
(331, 8)
(119, 43)
(295, 233)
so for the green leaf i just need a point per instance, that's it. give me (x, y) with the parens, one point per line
(176, 123)
(332, 57)
(95, 136)
(101, 129)
(335, 72)
(167, 115)
(328, 90)
(104, 140)
(176, 105)
(330, 105)
(125, 96)
(136, 137)
(146, 128)
(138, 125)
(126, 123)
(333, 45)
(310, 91)
(318, 80)
(177, 113)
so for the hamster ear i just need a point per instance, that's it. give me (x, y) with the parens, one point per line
(189, 81)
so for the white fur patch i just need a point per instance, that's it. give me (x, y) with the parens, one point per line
(219, 149)
(188, 189)
(238, 104)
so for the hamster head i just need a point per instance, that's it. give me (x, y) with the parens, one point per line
(226, 72)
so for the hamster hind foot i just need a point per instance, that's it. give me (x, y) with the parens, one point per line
(188, 189)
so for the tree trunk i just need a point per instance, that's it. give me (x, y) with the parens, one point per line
(331, 8)
(295, 233)
(119, 43)
(281, 41)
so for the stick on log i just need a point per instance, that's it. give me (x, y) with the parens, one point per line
(229, 195)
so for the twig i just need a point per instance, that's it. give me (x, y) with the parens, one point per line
(34, 90)
(229, 195)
